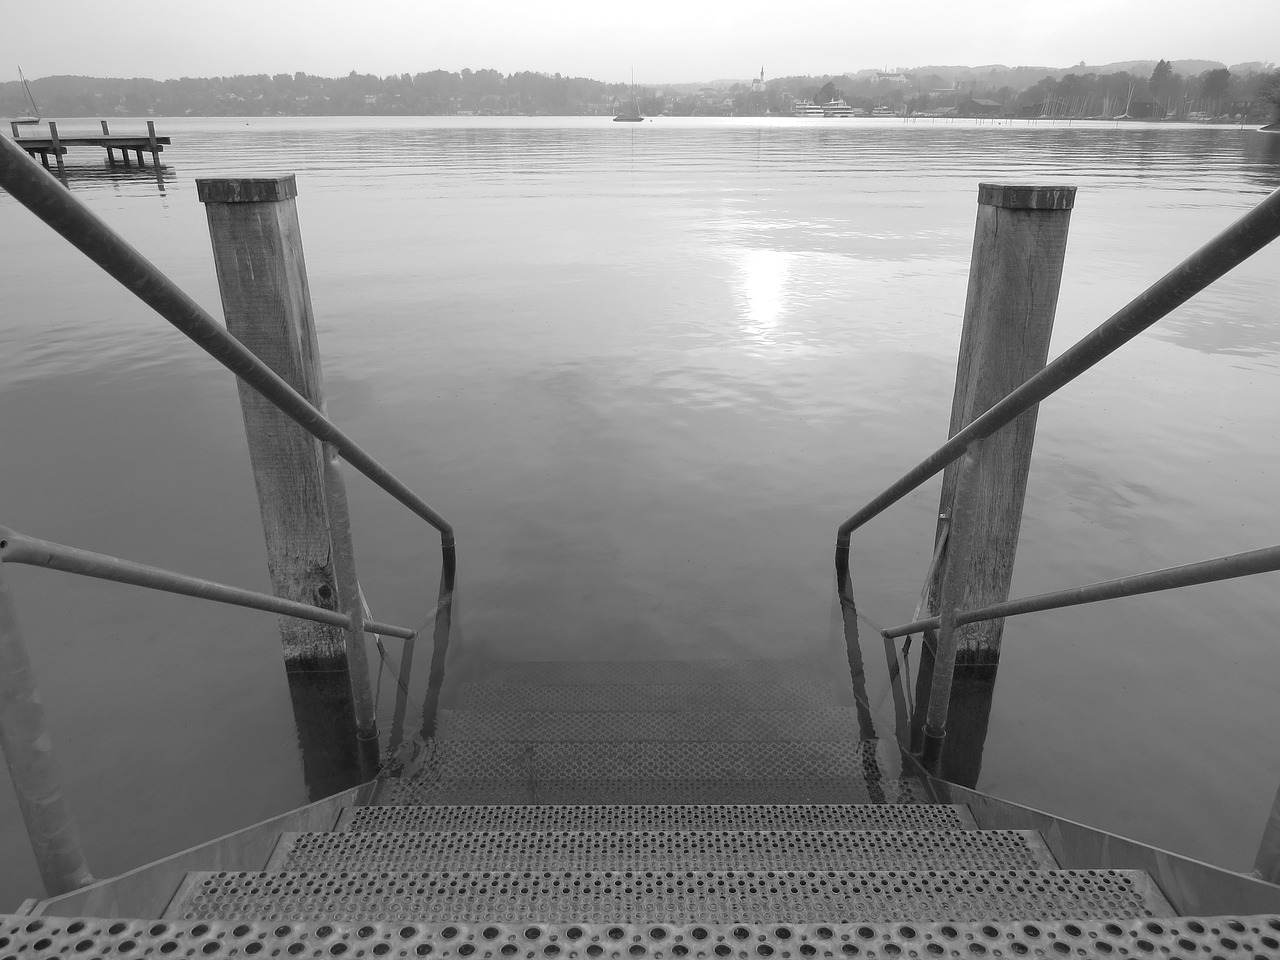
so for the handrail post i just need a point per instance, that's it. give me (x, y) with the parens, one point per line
(1015, 273)
(24, 740)
(961, 541)
(257, 246)
(349, 599)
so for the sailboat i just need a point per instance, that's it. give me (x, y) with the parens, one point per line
(32, 113)
(631, 111)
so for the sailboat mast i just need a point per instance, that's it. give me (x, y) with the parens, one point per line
(30, 96)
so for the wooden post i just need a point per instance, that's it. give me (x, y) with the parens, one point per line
(155, 147)
(57, 149)
(262, 276)
(1014, 276)
(24, 741)
(111, 153)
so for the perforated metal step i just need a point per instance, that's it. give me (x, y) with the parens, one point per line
(852, 790)
(513, 818)
(680, 850)
(448, 760)
(647, 697)
(759, 725)
(671, 897)
(685, 672)
(1230, 938)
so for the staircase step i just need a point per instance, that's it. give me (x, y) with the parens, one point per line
(840, 790)
(513, 818)
(839, 723)
(550, 672)
(1231, 938)
(688, 896)
(646, 697)
(677, 850)
(648, 761)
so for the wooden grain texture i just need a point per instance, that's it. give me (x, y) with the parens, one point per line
(263, 280)
(1014, 277)
(247, 190)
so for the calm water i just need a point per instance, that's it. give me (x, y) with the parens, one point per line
(647, 371)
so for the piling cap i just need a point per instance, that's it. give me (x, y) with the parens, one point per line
(1021, 197)
(247, 190)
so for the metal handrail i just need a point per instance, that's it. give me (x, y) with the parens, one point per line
(1230, 567)
(19, 548)
(1249, 234)
(56, 206)
(1228, 249)
(23, 737)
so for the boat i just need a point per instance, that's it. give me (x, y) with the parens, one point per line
(806, 108)
(630, 111)
(32, 113)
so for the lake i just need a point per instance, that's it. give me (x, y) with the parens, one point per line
(647, 369)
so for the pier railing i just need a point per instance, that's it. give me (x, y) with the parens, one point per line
(1236, 243)
(22, 729)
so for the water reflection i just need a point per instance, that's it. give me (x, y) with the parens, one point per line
(403, 749)
(122, 175)
(327, 741)
(968, 715)
(116, 174)
(763, 278)
(972, 695)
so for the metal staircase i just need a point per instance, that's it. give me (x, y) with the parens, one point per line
(710, 810)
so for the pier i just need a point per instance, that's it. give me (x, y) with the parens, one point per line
(740, 809)
(124, 142)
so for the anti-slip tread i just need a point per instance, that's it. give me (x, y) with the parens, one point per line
(836, 723)
(686, 672)
(663, 850)
(646, 697)
(649, 761)
(1231, 938)
(512, 818)
(851, 790)
(671, 897)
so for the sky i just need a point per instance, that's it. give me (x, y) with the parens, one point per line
(669, 41)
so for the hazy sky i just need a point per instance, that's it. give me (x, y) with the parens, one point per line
(663, 40)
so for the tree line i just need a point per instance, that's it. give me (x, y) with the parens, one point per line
(1213, 93)
(1164, 94)
(301, 94)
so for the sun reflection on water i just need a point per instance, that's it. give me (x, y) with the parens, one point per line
(765, 283)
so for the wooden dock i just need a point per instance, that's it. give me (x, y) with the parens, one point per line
(56, 145)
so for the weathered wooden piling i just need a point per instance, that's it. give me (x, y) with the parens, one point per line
(154, 144)
(58, 150)
(257, 246)
(1014, 277)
